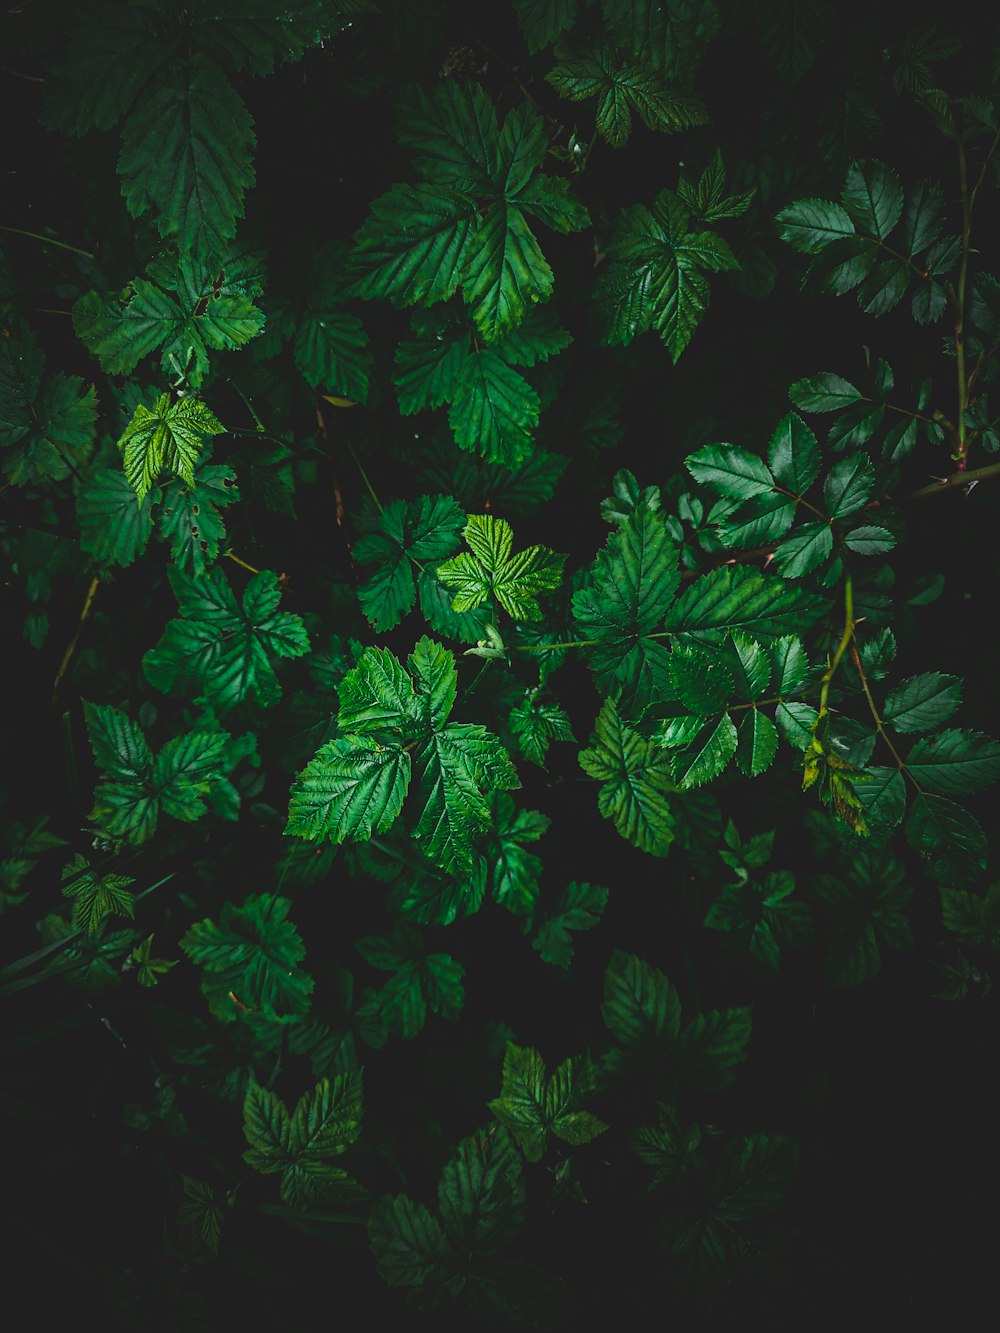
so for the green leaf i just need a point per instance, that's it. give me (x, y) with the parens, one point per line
(805, 550)
(183, 308)
(542, 21)
(922, 703)
(883, 797)
(790, 664)
(756, 743)
(167, 438)
(579, 907)
(873, 198)
(324, 1123)
(412, 249)
(870, 541)
(824, 393)
(220, 649)
(494, 409)
(515, 872)
(634, 579)
(435, 682)
(532, 1107)
(536, 723)
(635, 778)
(195, 178)
(408, 1242)
(377, 695)
(946, 834)
(975, 919)
(655, 274)
(481, 1194)
(848, 485)
(640, 1005)
(794, 454)
(702, 684)
(809, 225)
(114, 524)
(505, 272)
(353, 789)
(96, 896)
(188, 769)
(740, 598)
(521, 1104)
(706, 756)
(254, 954)
(261, 35)
(491, 569)
(730, 470)
(622, 87)
(190, 519)
(459, 766)
(955, 763)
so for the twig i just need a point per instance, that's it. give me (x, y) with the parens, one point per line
(67, 657)
(49, 240)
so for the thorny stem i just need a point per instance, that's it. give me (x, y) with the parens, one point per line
(49, 240)
(950, 483)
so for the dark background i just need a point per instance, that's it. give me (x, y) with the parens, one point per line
(889, 1090)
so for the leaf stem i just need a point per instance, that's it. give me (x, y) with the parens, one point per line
(67, 656)
(880, 729)
(842, 646)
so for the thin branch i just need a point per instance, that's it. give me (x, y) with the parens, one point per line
(49, 240)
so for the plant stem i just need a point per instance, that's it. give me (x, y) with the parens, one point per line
(900, 761)
(67, 656)
(49, 240)
(845, 639)
(242, 563)
(950, 483)
(963, 273)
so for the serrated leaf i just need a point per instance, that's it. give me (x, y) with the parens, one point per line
(756, 743)
(640, 1005)
(579, 908)
(954, 762)
(706, 756)
(114, 524)
(809, 225)
(223, 649)
(195, 178)
(794, 454)
(809, 546)
(946, 833)
(825, 392)
(922, 703)
(634, 580)
(353, 788)
(494, 409)
(741, 598)
(491, 568)
(635, 778)
(873, 198)
(459, 765)
(407, 1240)
(702, 684)
(848, 485)
(254, 954)
(622, 87)
(481, 1194)
(170, 437)
(730, 470)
